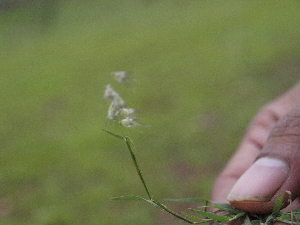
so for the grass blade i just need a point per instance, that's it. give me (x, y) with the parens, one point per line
(163, 207)
(278, 204)
(213, 216)
(247, 221)
(237, 216)
(154, 203)
(225, 207)
(189, 200)
(130, 145)
(128, 198)
(193, 217)
(115, 135)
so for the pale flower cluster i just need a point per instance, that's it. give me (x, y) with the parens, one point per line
(121, 76)
(117, 109)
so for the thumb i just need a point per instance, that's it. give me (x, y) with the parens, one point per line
(275, 171)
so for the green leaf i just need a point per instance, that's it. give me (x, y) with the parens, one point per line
(255, 222)
(130, 146)
(247, 221)
(285, 215)
(237, 216)
(288, 217)
(286, 221)
(270, 219)
(188, 200)
(128, 198)
(225, 207)
(193, 217)
(213, 216)
(163, 207)
(138, 199)
(115, 135)
(156, 204)
(278, 204)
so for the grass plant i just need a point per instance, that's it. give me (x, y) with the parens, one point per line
(226, 213)
(204, 69)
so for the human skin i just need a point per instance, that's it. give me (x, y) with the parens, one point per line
(267, 161)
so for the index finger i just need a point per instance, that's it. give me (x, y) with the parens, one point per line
(247, 152)
(253, 141)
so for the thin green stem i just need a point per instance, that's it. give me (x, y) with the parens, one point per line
(130, 144)
(163, 207)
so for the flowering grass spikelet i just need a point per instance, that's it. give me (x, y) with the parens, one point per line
(118, 102)
(109, 93)
(114, 108)
(130, 123)
(128, 112)
(121, 76)
(118, 107)
(112, 113)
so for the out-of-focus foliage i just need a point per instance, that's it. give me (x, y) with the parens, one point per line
(202, 70)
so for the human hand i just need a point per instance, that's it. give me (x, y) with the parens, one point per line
(267, 162)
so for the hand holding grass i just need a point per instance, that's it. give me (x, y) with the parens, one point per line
(275, 166)
(267, 162)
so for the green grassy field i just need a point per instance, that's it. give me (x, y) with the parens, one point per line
(202, 70)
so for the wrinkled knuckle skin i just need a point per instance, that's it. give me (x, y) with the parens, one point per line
(288, 126)
(284, 140)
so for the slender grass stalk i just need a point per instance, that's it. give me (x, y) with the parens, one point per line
(231, 213)
(163, 207)
(130, 145)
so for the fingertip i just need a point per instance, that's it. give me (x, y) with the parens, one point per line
(253, 206)
(256, 188)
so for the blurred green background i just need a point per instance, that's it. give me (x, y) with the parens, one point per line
(202, 69)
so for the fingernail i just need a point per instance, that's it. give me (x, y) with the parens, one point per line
(260, 181)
